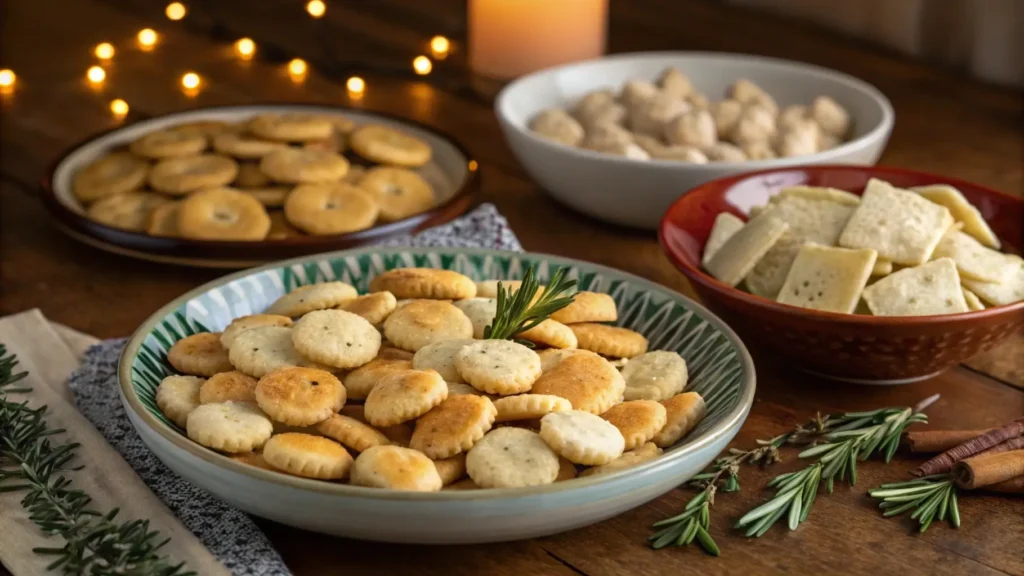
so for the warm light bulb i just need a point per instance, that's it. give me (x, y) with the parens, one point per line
(147, 37)
(104, 51)
(439, 46)
(297, 67)
(190, 81)
(356, 85)
(422, 65)
(7, 79)
(119, 108)
(245, 48)
(316, 8)
(96, 74)
(176, 11)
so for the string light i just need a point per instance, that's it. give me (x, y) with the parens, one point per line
(96, 75)
(356, 86)
(245, 48)
(147, 38)
(7, 80)
(190, 82)
(176, 11)
(439, 47)
(422, 65)
(473, 165)
(104, 51)
(316, 8)
(119, 108)
(297, 68)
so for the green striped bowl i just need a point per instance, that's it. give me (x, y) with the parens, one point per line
(719, 366)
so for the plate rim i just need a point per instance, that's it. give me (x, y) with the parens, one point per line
(731, 422)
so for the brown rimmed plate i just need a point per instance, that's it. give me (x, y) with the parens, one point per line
(452, 172)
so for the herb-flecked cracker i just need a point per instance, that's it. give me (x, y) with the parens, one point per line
(932, 288)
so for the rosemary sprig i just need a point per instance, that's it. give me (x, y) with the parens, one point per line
(94, 543)
(517, 312)
(930, 497)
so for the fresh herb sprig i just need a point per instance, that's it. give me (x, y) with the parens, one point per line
(95, 543)
(930, 497)
(517, 312)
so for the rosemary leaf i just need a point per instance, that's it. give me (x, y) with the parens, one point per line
(515, 313)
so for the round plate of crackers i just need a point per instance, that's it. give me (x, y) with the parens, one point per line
(435, 395)
(237, 186)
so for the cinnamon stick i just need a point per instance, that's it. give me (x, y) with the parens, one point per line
(945, 461)
(988, 469)
(1011, 444)
(1011, 486)
(931, 441)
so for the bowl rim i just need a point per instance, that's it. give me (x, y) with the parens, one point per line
(731, 421)
(696, 274)
(870, 138)
(457, 204)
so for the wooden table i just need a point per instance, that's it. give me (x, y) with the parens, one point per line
(945, 123)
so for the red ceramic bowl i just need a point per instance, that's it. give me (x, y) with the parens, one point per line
(858, 348)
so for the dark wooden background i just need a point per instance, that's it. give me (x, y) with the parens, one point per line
(945, 123)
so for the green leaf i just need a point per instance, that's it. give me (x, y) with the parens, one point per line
(707, 542)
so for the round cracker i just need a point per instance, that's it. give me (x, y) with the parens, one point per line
(648, 451)
(498, 366)
(423, 322)
(199, 355)
(229, 426)
(177, 396)
(638, 420)
(359, 382)
(225, 386)
(243, 323)
(440, 356)
(308, 456)
(374, 307)
(430, 283)
(404, 395)
(582, 437)
(529, 406)
(300, 396)
(683, 412)
(396, 468)
(261, 350)
(451, 469)
(656, 375)
(480, 311)
(453, 426)
(312, 297)
(351, 432)
(588, 307)
(609, 340)
(587, 381)
(336, 338)
(550, 333)
(511, 458)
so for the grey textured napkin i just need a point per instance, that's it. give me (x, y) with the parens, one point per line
(226, 531)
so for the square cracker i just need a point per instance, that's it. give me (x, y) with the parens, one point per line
(1002, 293)
(740, 253)
(973, 260)
(973, 302)
(819, 193)
(827, 278)
(932, 288)
(882, 267)
(724, 227)
(899, 224)
(813, 219)
(769, 274)
(962, 211)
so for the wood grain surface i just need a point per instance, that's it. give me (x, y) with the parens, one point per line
(944, 123)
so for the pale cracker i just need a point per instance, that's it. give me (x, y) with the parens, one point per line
(177, 396)
(637, 420)
(973, 260)
(480, 311)
(882, 267)
(769, 274)
(734, 260)
(550, 333)
(241, 324)
(682, 413)
(511, 458)
(827, 278)
(489, 288)
(233, 385)
(962, 211)
(229, 426)
(300, 396)
(360, 381)
(587, 381)
(396, 468)
(724, 227)
(351, 432)
(199, 355)
(424, 283)
(815, 220)
(374, 307)
(900, 225)
(932, 288)
(498, 366)
(609, 340)
(529, 406)
(818, 193)
(582, 437)
(588, 307)
(336, 338)
(440, 356)
(463, 388)
(550, 357)
(1007, 292)
(403, 395)
(648, 451)
(259, 351)
(312, 297)
(424, 322)
(451, 469)
(656, 375)
(972, 300)
(308, 456)
(453, 426)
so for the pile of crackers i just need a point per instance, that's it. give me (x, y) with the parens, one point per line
(397, 389)
(270, 177)
(889, 252)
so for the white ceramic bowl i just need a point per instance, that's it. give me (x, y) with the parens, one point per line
(636, 193)
(719, 366)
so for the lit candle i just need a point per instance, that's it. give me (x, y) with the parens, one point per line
(190, 83)
(175, 11)
(245, 48)
(147, 38)
(422, 65)
(316, 8)
(96, 75)
(119, 108)
(439, 47)
(104, 51)
(508, 38)
(356, 86)
(7, 80)
(297, 69)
